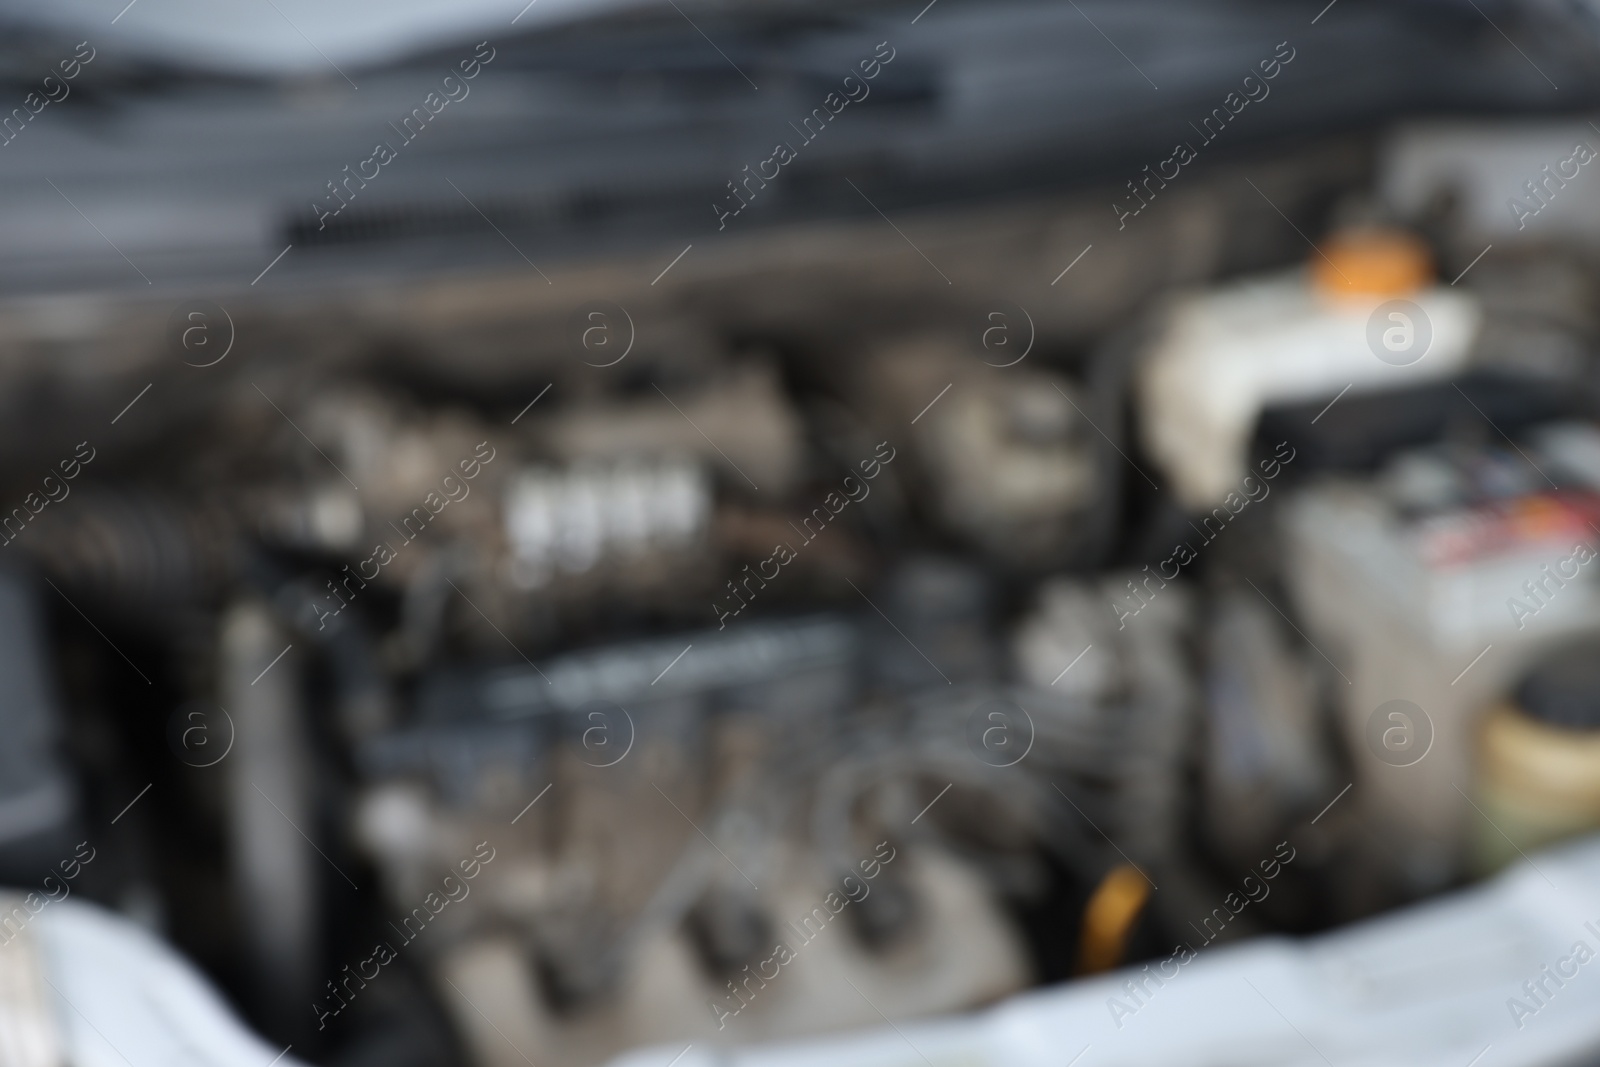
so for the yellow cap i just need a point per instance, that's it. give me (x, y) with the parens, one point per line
(1372, 262)
(1109, 917)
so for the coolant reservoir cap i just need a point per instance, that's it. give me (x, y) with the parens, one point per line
(1564, 690)
(1372, 261)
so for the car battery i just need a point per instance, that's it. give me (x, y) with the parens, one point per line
(1429, 590)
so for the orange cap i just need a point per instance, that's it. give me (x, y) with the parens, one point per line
(1372, 261)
